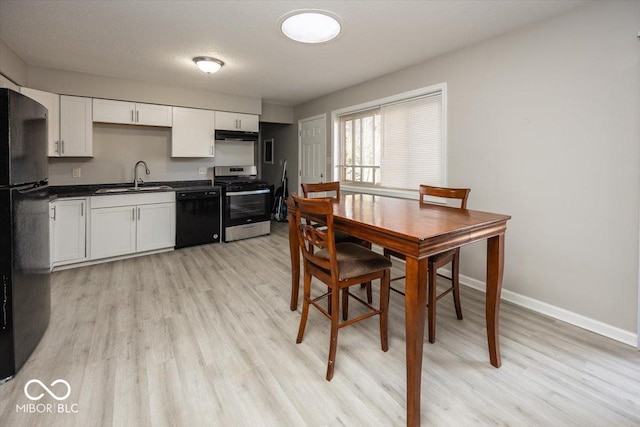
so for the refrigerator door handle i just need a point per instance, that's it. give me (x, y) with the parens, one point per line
(30, 188)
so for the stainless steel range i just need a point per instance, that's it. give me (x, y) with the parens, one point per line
(246, 202)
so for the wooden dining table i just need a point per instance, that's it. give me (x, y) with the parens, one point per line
(417, 232)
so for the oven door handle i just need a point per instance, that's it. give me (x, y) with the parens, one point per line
(248, 193)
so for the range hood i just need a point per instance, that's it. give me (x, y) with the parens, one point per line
(236, 135)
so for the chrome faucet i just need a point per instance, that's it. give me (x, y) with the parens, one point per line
(135, 173)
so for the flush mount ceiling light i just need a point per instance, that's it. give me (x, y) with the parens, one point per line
(310, 26)
(208, 64)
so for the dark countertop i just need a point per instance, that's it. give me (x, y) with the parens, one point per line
(66, 191)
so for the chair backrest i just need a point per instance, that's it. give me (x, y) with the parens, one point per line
(316, 211)
(461, 194)
(321, 187)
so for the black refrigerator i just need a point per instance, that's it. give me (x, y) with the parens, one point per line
(24, 230)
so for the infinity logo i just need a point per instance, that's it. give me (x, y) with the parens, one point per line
(52, 394)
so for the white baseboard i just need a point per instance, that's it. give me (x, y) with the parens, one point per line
(558, 313)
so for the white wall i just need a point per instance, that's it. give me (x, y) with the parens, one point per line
(544, 125)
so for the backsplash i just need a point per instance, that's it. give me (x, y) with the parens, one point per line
(117, 148)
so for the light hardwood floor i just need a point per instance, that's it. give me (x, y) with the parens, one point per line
(203, 336)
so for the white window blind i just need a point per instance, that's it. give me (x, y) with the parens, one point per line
(412, 143)
(397, 145)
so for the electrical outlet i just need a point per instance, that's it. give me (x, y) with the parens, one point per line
(76, 172)
(202, 171)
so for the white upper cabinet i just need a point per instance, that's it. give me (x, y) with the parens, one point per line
(131, 113)
(76, 127)
(52, 102)
(154, 115)
(193, 133)
(236, 121)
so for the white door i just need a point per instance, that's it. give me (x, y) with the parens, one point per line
(312, 149)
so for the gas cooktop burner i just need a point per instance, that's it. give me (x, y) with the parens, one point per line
(238, 177)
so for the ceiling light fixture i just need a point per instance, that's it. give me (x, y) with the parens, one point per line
(208, 64)
(310, 26)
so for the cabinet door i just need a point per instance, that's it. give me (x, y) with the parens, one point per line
(226, 121)
(76, 127)
(236, 121)
(69, 226)
(52, 102)
(192, 134)
(153, 115)
(156, 226)
(113, 231)
(109, 111)
(248, 122)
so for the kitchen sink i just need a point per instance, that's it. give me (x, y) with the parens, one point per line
(133, 189)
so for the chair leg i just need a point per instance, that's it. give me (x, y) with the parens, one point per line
(369, 291)
(384, 308)
(368, 284)
(345, 303)
(305, 306)
(333, 343)
(431, 301)
(455, 270)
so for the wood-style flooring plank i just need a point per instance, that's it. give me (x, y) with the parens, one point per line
(203, 336)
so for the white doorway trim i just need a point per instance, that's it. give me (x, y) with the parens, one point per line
(322, 116)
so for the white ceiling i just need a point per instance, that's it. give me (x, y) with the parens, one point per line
(155, 41)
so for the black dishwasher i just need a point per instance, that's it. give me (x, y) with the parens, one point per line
(198, 216)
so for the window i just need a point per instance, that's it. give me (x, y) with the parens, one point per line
(361, 147)
(395, 145)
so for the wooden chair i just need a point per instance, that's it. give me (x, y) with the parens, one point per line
(321, 189)
(439, 260)
(339, 266)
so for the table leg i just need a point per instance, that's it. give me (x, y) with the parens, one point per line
(495, 269)
(295, 262)
(415, 301)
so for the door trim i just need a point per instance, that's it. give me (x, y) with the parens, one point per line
(322, 116)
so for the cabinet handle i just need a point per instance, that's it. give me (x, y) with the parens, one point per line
(54, 213)
(137, 116)
(133, 212)
(138, 214)
(81, 208)
(239, 123)
(62, 143)
(132, 116)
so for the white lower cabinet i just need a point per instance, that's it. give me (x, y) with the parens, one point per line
(156, 226)
(68, 231)
(127, 224)
(113, 231)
